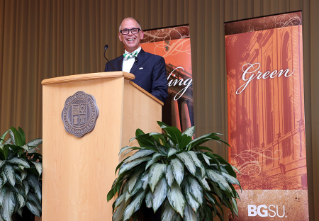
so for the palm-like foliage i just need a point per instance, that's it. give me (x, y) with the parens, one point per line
(172, 171)
(20, 175)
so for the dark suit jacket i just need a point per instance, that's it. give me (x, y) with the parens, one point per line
(149, 71)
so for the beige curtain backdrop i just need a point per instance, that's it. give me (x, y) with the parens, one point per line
(47, 38)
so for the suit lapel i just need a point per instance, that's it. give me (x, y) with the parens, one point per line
(119, 64)
(140, 60)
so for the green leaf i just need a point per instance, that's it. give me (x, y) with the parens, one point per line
(5, 150)
(20, 199)
(210, 198)
(200, 140)
(161, 124)
(214, 160)
(208, 213)
(177, 217)
(19, 161)
(118, 214)
(149, 199)
(15, 147)
(3, 192)
(168, 212)
(128, 196)
(196, 190)
(2, 162)
(207, 159)
(145, 180)
(156, 157)
(19, 212)
(120, 164)
(35, 185)
(235, 194)
(22, 135)
(190, 215)
(34, 199)
(38, 167)
(9, 141)
(139, 132)
(171, 152)
(160, 138)
(9, 172)
(197, 162)
(176, 198)
(33, 209)
(134, 205)
(234, 204)
(3, 136)
(188, 162)
(189, 131)
(174, 134)
(139, 154)
(124, 149)
(16, 138)
(26, 187)
(204, 148)
(157, 171)
(18, 178)
(203, 181)
(8, 205)
(159, 194)
(130, 165)
(178, 170)
(118, 201)
(132, 180)
(144, 140)
(214, 202)
(190, 199)
(4, 177)
(169, 175)
(218, 179)
(230, 178)
(127, 152)
(34, 143)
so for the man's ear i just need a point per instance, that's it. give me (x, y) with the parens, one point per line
(120, 36)
(141, 35)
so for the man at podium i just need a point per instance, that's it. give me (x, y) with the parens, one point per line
(149, 69)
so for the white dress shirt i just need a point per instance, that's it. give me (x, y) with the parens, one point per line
(128, 64)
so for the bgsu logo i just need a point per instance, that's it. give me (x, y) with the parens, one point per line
(264, 211)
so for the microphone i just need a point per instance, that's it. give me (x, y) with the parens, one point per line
(105, 47)
(136, 60)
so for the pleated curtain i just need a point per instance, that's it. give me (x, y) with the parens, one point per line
(42, 39)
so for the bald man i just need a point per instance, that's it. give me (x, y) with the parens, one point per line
(149, 69)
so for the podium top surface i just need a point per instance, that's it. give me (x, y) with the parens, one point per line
(86, 77)
(99, 75)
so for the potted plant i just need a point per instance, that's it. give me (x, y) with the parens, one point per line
(20, 176)
(173, 173)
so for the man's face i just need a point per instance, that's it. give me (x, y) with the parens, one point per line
(131, 41)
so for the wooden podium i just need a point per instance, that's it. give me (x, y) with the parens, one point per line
(79, 172)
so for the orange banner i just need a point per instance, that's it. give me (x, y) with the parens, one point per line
(174, 45)
(266, 126)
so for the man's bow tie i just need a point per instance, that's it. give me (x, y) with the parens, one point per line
(130, 55)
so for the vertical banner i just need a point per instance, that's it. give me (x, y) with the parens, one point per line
(266, 125)
(174, 45)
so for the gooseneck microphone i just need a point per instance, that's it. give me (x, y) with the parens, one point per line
(105, 47)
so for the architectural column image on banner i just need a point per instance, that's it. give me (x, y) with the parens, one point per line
(266, 116)
(174, 45)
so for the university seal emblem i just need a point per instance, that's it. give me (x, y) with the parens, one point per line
(79, 114)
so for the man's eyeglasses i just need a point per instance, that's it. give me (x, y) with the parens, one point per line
(132, 30)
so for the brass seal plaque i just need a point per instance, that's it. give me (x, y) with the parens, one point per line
(79, 114)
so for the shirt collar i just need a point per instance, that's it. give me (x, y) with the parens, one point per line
(137, 50)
